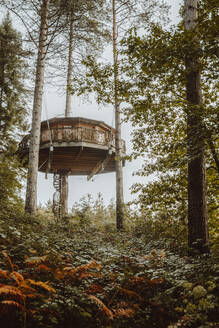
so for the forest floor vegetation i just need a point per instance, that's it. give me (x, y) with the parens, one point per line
(64, 275)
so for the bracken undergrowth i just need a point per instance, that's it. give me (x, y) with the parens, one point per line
(53, 275)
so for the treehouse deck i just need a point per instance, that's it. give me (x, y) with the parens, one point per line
(74, 145)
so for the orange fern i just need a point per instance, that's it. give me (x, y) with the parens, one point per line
(9, 260)
(84, 267)
(13, 303)
(128, 313)
(11, 291)
(93, 289)
(103, 307)
(43, 267)
(4, 274)
(60, 274)
(41, 284)
(130, 293)
(17, 277)
(25, 288)
(80, 272)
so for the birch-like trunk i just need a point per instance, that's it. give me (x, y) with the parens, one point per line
(69, 72)
(119, 173)
(64, 177)
(31, 191)
(197, 205)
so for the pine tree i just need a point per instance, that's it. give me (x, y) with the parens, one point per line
(13, 97)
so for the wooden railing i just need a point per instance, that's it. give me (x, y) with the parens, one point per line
(73, 134)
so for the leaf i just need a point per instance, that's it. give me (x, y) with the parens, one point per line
(42, 285)
(60, 274)
(103, 307)
(32, 251)
(9, 260)
(128, 313)
(3, 274)
(34, 260)
(17, 276)
(11, 291)
(130, 293)
(26, 288)
(94, 288)
(43, 267)
(13, 303)
(85, 267)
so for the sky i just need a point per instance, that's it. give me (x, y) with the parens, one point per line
(53, 106)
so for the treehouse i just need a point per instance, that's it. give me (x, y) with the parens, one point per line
(74, 146)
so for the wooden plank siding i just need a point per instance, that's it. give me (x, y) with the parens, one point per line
(78, 145)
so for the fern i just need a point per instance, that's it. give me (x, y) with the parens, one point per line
(127, 313)
(17, 277)
(130, 293)
(103, 307)
(43, 267)
(41, 284)
(35, 260)
(11, 291)
(9, 260)
(14, 304)
(3, 274)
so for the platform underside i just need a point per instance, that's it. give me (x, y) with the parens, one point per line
(80, 159)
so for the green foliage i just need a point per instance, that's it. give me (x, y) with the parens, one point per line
(10, 186)
(106, 279)
(12, 114)
(12, 90)
(154, 71)
(90, 213)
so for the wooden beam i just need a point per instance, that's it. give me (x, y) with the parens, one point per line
(79, 153)
(98, 167)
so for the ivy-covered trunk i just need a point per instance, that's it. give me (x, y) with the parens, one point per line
(197, 206)
(119, 173)
(31, 191)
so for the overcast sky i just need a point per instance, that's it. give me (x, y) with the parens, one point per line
(105, 183)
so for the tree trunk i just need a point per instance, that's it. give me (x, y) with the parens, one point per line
(119, 173)
(197, 206)
(69, 73)
(64, 194)
(31, 191)
(64, 177)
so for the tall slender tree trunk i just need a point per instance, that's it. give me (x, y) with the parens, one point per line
(119, 173)
(197, 206)
(31, 191)
(69, 73)
(64, 176)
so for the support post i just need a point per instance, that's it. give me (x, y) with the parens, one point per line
(64, 194)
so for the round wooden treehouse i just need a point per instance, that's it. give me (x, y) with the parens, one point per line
(74, 146)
